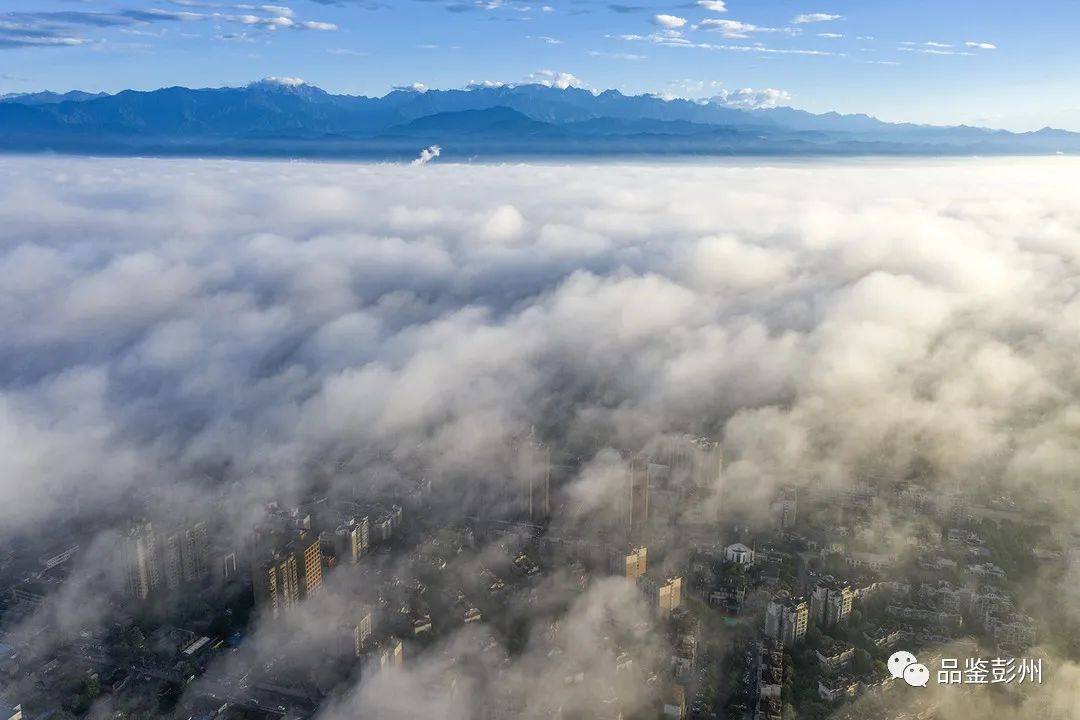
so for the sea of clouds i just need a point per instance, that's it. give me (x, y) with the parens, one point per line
(173, 323)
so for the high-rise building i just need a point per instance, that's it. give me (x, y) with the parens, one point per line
(389, 653)
(288, 570)
(785, 508)
(312, 566)
(276, 581)
(695, 460)
(708, 463)
(225, 565)
(839, 608)
(831, 602)
(171, 549)
(637, 477)
(631, 563)
(185, 554)
(196, 552)
(356, 634)
(540, 486)
(669, 596)
(786, 619)
(352, 539)
(665, 595)
(531, 461)
(138, 554)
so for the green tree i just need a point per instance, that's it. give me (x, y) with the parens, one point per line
(863, 663)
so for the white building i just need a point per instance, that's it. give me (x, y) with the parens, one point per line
(739, 554)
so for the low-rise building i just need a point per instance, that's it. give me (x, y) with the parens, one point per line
(836, 687)
(739, 554)
(835, 656)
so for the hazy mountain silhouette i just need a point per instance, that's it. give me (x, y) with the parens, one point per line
(285, 118)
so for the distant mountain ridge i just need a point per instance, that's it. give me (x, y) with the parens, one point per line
(294, 119)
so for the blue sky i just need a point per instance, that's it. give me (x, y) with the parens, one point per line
(945, 61)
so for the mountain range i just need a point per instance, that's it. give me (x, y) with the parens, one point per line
(275, 118)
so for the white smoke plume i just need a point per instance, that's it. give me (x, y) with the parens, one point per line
(427, 155)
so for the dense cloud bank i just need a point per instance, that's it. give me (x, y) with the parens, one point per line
(245, 327)
(165, 320)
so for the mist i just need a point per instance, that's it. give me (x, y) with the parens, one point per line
(220, 334)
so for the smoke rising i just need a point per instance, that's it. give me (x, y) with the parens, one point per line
(427, 155)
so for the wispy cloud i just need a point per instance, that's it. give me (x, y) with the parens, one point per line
(616, 55)
(738, 29)
(70, 28)
(713, 5)
(678, 41)
(816, 17)
(980, 45)
(928, 49)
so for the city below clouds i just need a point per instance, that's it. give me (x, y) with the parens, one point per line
(198, 338)
(567, 359)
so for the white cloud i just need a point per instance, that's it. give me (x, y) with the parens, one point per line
(63, 28)
(751, 99)
(737, 29)
(815, 18)
(676, 40)
(278, 10)
(616, 55)
(285, 81)
(273, 322)
(831, 36)
(931, 49)
(713, 5)
(670, 22)
(560, 80)
(980, 45)
(848, 304)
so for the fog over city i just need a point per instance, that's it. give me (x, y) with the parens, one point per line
(204, 337)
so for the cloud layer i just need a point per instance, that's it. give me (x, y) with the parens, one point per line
(173, 327)
(168, 317)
